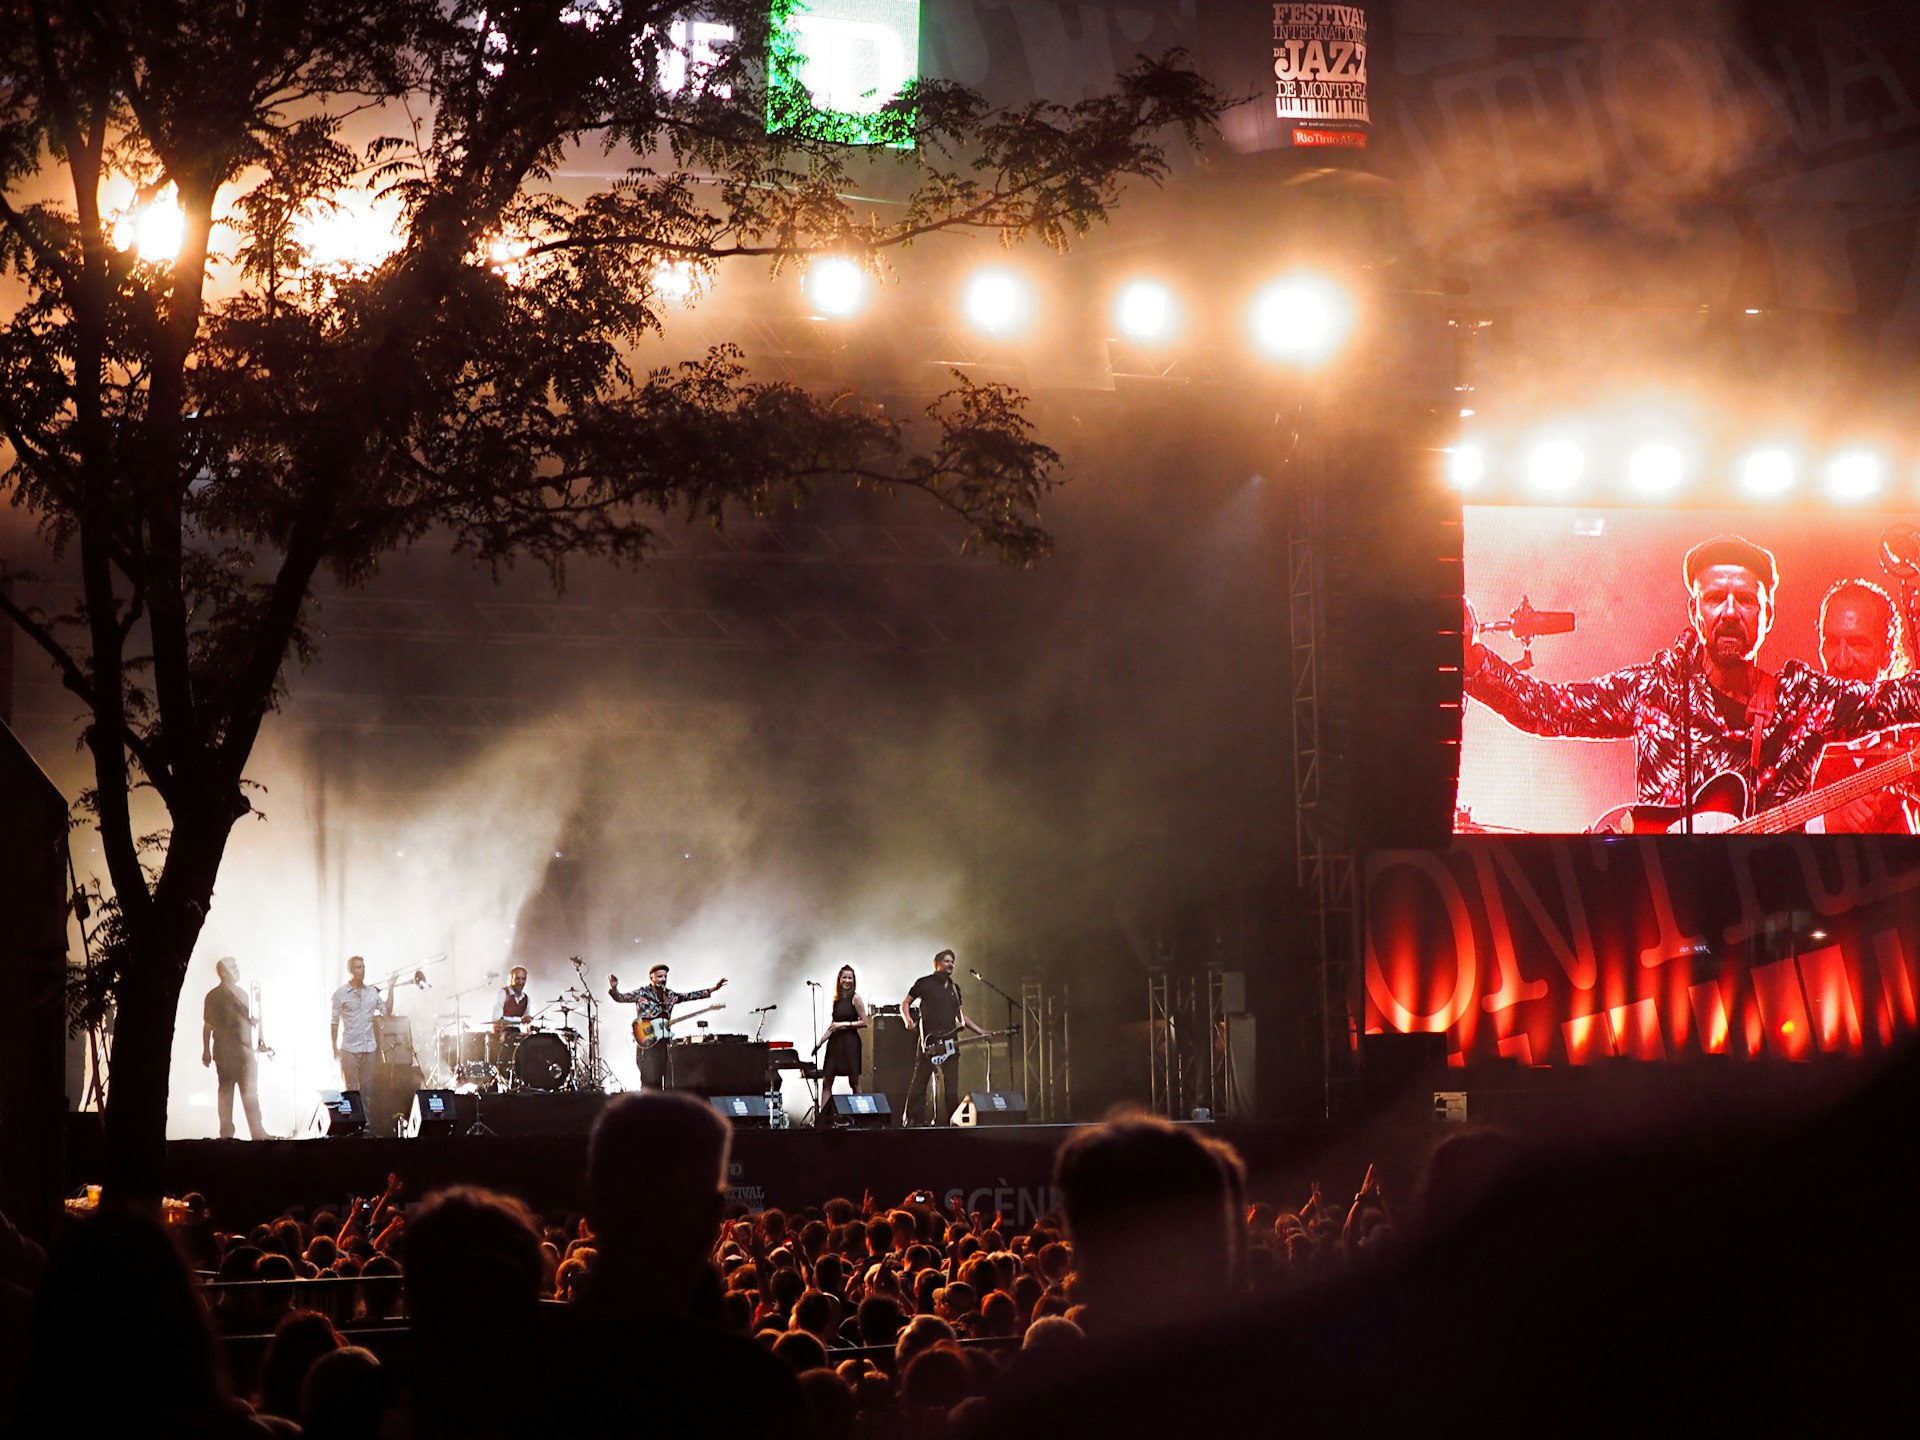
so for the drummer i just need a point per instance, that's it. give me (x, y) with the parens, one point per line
(510, 1006)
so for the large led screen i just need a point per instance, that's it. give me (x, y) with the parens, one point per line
(1608, 745)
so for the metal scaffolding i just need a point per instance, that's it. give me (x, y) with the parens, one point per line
(1323, 859)
(1045, 1067)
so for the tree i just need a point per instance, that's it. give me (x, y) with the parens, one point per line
(205, 433)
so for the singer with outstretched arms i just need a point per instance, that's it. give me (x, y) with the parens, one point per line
(654, 1002)
(933, 1012)
(1704, 716)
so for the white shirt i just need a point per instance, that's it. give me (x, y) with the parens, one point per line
(353, 1012)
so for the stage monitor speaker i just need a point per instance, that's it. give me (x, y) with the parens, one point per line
(862, 1111)
(435, 1112)
(745, 1111)
(992, 1107)
(341, 1113)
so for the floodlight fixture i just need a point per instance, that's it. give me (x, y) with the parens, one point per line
(355, 232)
(154, 229)
(1466, 466)
(1145, 311)
(998, 302)
(1302, 319)
(1656, 469)
(1855, 475)
(835, 286)
(1767, 472)
(1556, 465)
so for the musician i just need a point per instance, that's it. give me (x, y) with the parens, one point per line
(1768, 729)
(356, 1005)
(842, 1039)
(1860, 640)
(226, 1043)
(933, 1012)
(510, 1006)
(654, 1001)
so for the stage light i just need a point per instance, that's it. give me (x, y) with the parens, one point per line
(1466, 466)
(1767, 472)
(153, 231)
(356, 232)
(835, 286)
(1855, 475)
(1556, 465)
(674, 282)
(1145, 311)
(997, 301)
(1655, 469)
(1303, 318)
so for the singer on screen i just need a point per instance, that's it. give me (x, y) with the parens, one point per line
(1718, 739)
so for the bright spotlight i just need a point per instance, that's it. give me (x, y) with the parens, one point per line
(1145, 311)
(1556, 465)
(1466, 466)
(997, 302)
(835, 285)
(1767, 472)
(674, 282)
(154, 230)
(1302, 318)
(1655, 469)
(1855, 475)
(358, 232)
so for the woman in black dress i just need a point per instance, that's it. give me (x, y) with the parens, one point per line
(843, 1036)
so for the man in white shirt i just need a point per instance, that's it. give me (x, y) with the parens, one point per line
(355, 1006)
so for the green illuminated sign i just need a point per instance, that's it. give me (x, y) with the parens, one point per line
(837, 69)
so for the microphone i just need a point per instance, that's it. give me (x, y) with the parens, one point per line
(978, 976)
(814, 983)
(1526, 622)
(763, 1009)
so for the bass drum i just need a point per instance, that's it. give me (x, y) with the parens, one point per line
(542, 1062)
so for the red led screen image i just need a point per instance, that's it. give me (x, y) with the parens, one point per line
(1589, 736)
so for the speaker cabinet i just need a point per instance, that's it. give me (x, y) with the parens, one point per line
(1273, 1068)
(861, 1112)
(992, 1107)
(719, 1068)
(747, 1112)
(341, 1113)
(893, 1051)
(434, 1112)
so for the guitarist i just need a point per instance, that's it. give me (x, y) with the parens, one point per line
(932, 1011)
(1705, 706)
(654, 1001)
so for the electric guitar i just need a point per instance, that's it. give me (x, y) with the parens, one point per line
(1720, 804)
(651, 1032)
(945, 1047)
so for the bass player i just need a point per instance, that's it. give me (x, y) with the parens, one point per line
(932, 1011)
(654, 1002)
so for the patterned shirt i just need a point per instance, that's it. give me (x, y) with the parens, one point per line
(656, 1002)
(354, 1011)
(1646, 702)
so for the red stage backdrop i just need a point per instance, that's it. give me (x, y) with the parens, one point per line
(1561, 951)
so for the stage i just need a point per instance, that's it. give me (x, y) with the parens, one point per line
(538, 1150)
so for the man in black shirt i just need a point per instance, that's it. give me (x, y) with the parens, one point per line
(938, 1022)
(226, 1043)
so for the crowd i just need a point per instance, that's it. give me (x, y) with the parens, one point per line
(1564, 1287)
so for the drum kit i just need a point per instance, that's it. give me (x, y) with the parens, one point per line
(531, 1055)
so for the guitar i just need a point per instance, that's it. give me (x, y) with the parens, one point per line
(943, 1049)
(651, 1032)
(1720, 803)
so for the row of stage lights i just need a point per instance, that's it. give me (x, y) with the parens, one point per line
(1298, 319)
(1561, 469)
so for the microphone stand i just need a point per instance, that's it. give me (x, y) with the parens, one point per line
(1013, 1026)
(813, 1059)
